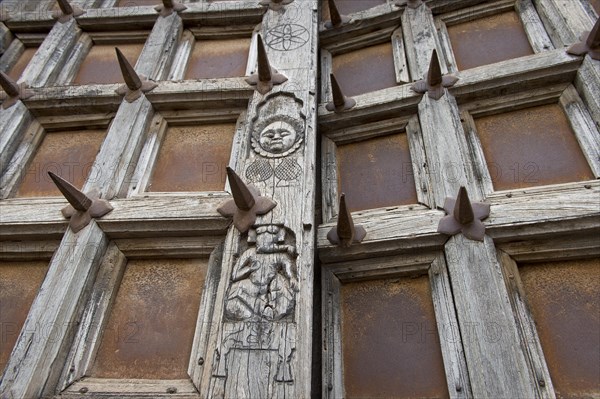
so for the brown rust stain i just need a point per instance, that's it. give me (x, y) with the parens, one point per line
(151, 325)
(365, 70)
(137, 3)
(193, 158)
(377, 172)
(17, 70)
(531, 147)
(564, 298)
(19, 284)
(349, 6)
(488, 40)
(212, 59)
(101, 66)
(390, 342)
(596, 5)
(69, 154)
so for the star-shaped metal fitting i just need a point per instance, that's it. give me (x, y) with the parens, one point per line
(434, 82)
(82, 208)
(275, 5)
(345, 233)
(335, 18)
(590, 43)
(340, 101)
(266, 76)
(168, 7)
(134, 85)
(464, 217)
(14, 91)
(246, 204)
(66, 11)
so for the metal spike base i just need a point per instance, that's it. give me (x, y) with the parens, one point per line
(135, 84)
(336, 19)
(168, 7)
(265, 76)
(461, 208)
(345, 233)
(589, 44)
(434, 83)
(275, 5)
(13, 91)
(82, 208)
(67, 11)
(244, 219)
(340, 101)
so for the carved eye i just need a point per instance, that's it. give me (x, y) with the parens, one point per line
(283, 132)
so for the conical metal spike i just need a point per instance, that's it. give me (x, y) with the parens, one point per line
(334, 14)
(132, 80)
(65, 7)
(8, 85)
(76, 198)
(242, 196)
(338, 97)
(434, 75)
(593, 39)
(463, 211)
(345, 225)
(264, 68)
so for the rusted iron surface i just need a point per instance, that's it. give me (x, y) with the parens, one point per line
(218, 59)
(349, 6)
(488, 40)
(17, 69)
(101, 65)
(193, 158)
(137, 3)
(596, 5)
(564, 298)
(390, 343)
(376, 173)
(365, 70)
(67, 154)
(151, 325)
(345, 233)
(19, 284)
(531, 147)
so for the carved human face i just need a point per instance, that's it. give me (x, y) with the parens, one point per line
(277, 137)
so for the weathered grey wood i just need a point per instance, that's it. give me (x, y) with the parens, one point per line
(561, 247)
(6, 37)
(586, 131)
(366, 131)
(526, 325)
(180, 61)
(45, 336)
(329, 179)
(484, 9)
(168, 247)
(326, 70)
(332, 362)
(423, 180)
(130, 388)
(11, 54)
(80, 50)
(14, 122)
(400, 64)
(493, 348)
(347, 43)
(534, 28)
(564, 20)
(157, 55)
(445, 45)
(588, 85)
(28, 250)
(480, 166)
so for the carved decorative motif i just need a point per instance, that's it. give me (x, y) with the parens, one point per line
(287, 37)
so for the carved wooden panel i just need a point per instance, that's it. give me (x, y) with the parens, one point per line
(17, 69)
(564, 298)
(218, 59)
(19, 284)
(349, 6)
(488, 40)
(531, 147)
(390, 342)
(151, 326)
(193, 158)
(101, 66)
(365, 70)
(376, 173)
(69, 154)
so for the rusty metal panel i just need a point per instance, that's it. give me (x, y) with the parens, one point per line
(376, 173)
(488, 40)
(349, 6)
(564, 298)
(212, 59)
(68, 154)
(19, 284)
(596, 5)
(152, 322)
(101, 66)
(531, 147)
(19, 67)
(137, 3)
(365, 70)
(193, 158)
(390, 343)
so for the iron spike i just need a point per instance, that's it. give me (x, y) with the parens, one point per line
(8, 85)
(242, 196)
(65, 7)
(131, 78)
(76, 198)
(340, 102)
(434, 75)
(264, 68)
(345, 225)
(463, 211)
(593, 39)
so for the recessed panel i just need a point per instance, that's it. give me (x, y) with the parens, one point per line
(365, 70)
(68, 154)
(596, 5)
(564, 298)
(152, 322)
(390, 343)
(101, 65)
(376, 173)
(531, 147)
(19, 284)
(17, 70)
(193, 158)
(213, 59)
(349, 6)
(488, 40)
